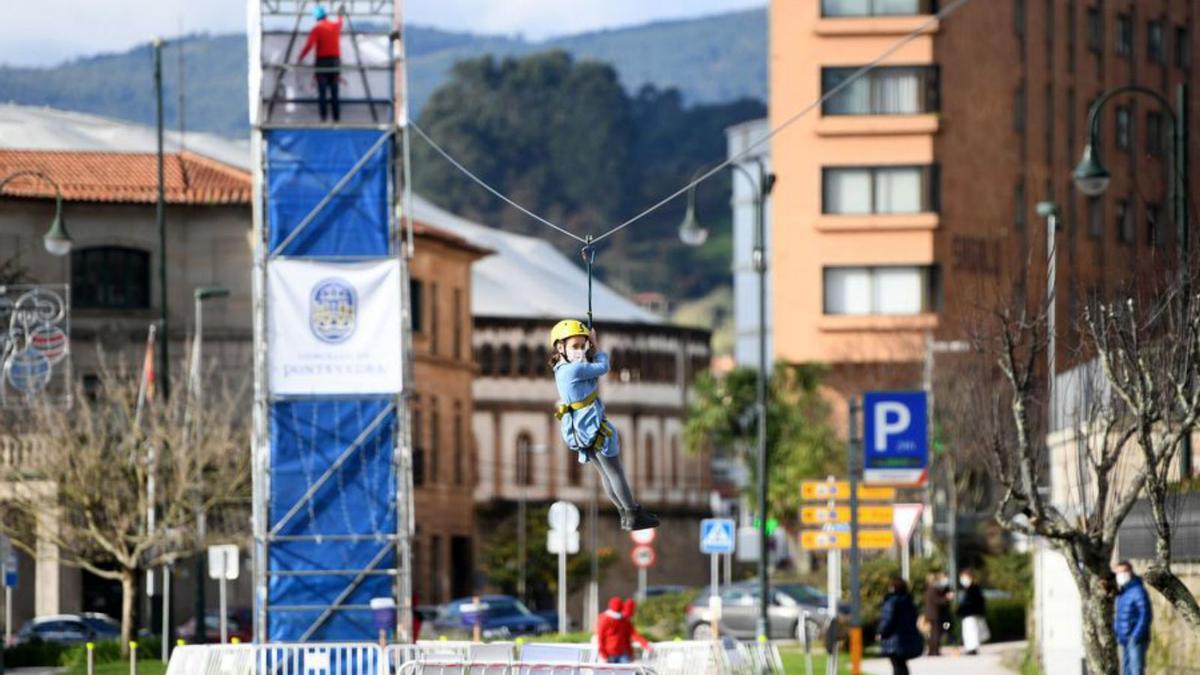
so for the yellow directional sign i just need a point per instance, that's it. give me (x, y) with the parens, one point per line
(815, 490)
(867, 515)
(816, 540)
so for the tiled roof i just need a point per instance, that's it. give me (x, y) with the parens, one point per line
(125, 177)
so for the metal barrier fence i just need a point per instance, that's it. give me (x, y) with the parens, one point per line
(464, 658)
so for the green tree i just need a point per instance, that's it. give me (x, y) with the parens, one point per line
(501, 558)
(800, 441)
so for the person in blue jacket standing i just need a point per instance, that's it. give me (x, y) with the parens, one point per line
(1134, 615)
(898, 637)
(578, 366)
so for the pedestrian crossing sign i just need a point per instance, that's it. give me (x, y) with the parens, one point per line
(716, 535)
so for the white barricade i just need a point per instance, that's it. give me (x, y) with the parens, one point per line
(320, 659)
(524, 668)
(688, 657)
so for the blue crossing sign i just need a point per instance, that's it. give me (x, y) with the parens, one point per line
(716, 535)
(895, 440)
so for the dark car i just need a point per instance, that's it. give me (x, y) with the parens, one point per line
(63, 629)
(499, 617)
(238, 625)
(664, 589)
(103, 626)
(739, 611)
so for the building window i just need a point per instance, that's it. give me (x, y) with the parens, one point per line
(504, 361)
(1155, 50)
(1019, 109)
(487, 360)
(1019, 18)
(435, 438)
(1156, 230)
(1095, 30)
(574, 471)
(524, 361)
(1183, 48)
(433, 318)
(1124, 35)
(110, 277)
(460, 450)
(1095, 216)
(1048, 17)
(1071, 26)
(675, 462)
(543, 357)
(1020, 206)
(416, 305)
(1048, 125)
(879, 290)
(835, 8)
(648, 450)
(1124, 221)
(1155, 141)
(458, 323)
(1124, 127)
(418, 442)
(524, 448)
(886, 90)
(879, 189)
(435, 569)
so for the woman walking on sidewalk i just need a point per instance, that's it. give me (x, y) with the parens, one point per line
(898, 635)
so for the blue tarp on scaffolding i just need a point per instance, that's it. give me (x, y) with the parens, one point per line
(303, 166)
(358, 498)
(308, 437)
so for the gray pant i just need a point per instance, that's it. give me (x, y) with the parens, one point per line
(612, 475)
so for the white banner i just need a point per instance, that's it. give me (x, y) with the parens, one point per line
(333, 328)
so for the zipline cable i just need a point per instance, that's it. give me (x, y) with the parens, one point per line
(421, 132)
(590, 241)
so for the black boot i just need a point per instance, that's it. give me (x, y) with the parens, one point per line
(626, 519)
(643, 520)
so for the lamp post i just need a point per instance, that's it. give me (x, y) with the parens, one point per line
(56, 240)
(692, 234)
(1092, 179)
(196, 391)
(160, 218)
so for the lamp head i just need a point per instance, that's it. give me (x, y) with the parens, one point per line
(1090, 176)
(690, 231)
(57, 241)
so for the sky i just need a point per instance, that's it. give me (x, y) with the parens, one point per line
(48, 32)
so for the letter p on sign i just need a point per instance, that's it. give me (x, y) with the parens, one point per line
(891, 419)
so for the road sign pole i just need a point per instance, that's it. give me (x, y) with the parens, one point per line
(641, 589)
(833, 578)
(7, 615)
(728, 568)
(562, 582)
(224, 622)
(904, 546)
(855, 599)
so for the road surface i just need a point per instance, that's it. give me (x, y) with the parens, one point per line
(986, 663)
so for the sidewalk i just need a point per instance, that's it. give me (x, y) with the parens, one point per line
(986, 663)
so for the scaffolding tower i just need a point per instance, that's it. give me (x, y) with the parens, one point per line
(332, 487)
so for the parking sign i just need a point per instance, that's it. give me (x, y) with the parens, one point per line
(895, 441)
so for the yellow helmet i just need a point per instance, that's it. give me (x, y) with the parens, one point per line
(565, 329)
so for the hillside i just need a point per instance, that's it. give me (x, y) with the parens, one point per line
(712, 59)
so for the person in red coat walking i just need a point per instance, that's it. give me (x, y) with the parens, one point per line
(630, 634)
(326, 39)
(610, 632)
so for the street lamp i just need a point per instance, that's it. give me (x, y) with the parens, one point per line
(200, 295)
(1092, 178)
(56, 240)
(692, 234)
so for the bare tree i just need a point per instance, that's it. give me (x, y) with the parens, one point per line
(82, 484)
(1119, 419)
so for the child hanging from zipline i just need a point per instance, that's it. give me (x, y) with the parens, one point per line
(578, 365)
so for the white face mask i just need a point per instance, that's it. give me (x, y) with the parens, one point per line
(965, 581)
(577, 355)
(1123, 578)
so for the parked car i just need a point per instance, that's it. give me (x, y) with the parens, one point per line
(503, 616)
(664, 589)
(739, 611)
(102, 625)
(239, 624)
(63, 629)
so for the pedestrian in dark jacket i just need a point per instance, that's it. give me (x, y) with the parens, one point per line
(898, 637)
(1132, 624)
(972, 610)
(937, 610)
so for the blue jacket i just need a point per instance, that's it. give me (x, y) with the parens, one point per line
(898, 627)
(577, 381)
(1134, 615)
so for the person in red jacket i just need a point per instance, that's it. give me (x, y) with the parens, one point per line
(326, 38)
(610, 632)
(630, 634)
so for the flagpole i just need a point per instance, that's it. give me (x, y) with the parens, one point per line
(147, 374)
(145, 390)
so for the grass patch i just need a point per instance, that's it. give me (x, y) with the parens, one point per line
(794, 661)
(147, 667)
